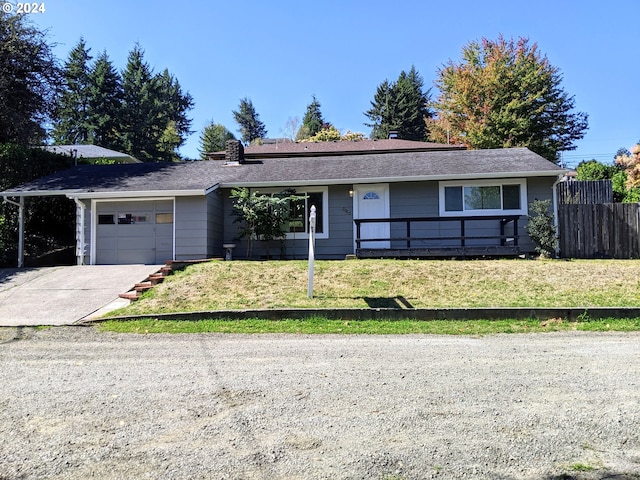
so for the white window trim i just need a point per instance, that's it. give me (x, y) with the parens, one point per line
(522, 182)
(325, 209)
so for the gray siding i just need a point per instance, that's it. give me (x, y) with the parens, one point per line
(408, 199)
(539, 188)
(339, 243)
(215, 225)
(191, 228)
(420, 199)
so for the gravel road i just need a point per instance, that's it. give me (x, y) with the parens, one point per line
(77, 404)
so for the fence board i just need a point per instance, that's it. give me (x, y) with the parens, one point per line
(610, 230)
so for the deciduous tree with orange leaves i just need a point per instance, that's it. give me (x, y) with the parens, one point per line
(505, 93)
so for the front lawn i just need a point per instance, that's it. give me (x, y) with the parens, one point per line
(239, 285)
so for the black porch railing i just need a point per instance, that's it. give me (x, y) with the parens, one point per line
(506, 242)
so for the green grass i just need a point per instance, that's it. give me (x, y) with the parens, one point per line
(581, 467)
(370, 327)
(240, 285)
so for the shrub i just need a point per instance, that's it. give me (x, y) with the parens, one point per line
(541, 228)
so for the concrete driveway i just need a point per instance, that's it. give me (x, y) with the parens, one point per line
(65, 295)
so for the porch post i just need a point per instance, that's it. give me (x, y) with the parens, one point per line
(80, 240)
(21, 233)
(20, 228)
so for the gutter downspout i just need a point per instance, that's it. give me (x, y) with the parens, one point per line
(80, 243)
(555, 212)
(20, 228)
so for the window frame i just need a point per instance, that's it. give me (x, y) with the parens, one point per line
(304, 191)
(521, 182)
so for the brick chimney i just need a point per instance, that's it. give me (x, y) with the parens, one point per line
(234, 152)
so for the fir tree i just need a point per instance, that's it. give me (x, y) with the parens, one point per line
(29, 79)
(105, 97)
(251, 128)
(139, 132)
(72, 111)
(174, 104)
(401, 106)
(312, 121)
(213, 139)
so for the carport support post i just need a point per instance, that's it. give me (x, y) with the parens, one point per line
(20, 229)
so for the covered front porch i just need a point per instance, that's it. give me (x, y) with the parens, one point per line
(433, 237)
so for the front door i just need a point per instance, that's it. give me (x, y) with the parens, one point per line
(372, 201)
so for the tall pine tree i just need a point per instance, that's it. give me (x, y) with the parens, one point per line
(401, 106)
(105, 97)
(29, 80)
(154, 111)
(139, 129)
(251, 128)
(214, 139)
(173, 120)
(72, 111)
(312, 122)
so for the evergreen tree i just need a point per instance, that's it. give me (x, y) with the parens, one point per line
(153, 117)
(29, 79)
(214, 139)
(105, 97)
(382, 111)
(140, 111)
(312, 121)
(251, 128)
(401, 106)
(504, 93)
(174, 104)
(72, 112)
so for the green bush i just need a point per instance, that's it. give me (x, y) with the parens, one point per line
(541, 228)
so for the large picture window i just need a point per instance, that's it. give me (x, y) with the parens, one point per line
(483, 197)
(298, 226)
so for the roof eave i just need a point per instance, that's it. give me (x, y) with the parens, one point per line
(141, 194)
(417, 178)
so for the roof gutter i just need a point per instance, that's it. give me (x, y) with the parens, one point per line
(137, 194)
(417, 178)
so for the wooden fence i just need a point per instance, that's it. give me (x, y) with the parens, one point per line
(591, 191)
(605, 230)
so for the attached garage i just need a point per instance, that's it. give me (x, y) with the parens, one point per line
(134, 232)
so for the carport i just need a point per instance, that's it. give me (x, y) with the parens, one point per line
(144, 213)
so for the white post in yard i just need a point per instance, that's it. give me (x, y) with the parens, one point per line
(312, 241)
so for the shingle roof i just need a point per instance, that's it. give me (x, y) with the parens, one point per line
(287, 149)
(374, 167)
(90, 152)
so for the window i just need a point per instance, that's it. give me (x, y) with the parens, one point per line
(483, 197)
(371, 196)
(131, 218)
(164, 217)
(106, 220)
(300, 209)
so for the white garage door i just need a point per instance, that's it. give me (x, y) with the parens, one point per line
(134, 232)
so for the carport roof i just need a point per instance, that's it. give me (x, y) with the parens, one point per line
(192, 178)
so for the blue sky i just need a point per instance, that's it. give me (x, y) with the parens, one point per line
(280, 53)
